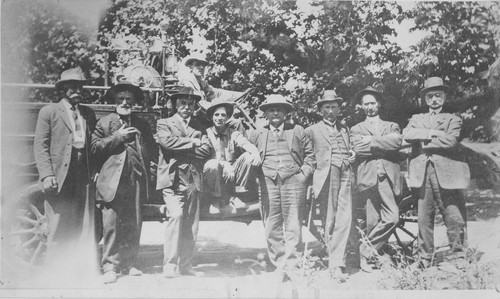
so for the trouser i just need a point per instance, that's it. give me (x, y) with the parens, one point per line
(218, 185)
(336, 212)
(122, 226)
(283, 204)
(182, 206)
(382, 212)
(451, 205)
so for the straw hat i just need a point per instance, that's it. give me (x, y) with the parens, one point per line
(273, 100)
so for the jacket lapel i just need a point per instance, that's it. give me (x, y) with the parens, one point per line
(61, 109)
(288, 131)
(383, 126)
(368, 127)
(324, 131)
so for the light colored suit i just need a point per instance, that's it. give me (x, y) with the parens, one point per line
(378, 176)
(332, 181)
(436, 170)
(179, 175)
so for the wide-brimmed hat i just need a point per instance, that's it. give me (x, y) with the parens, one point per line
(196, 57)
(329, 96)
(186, 91)
(273, 100)
(124, 86)
(434, 83)
(71, 75)
(368, 90)
(220, 103)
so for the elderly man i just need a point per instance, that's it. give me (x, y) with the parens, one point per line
(63, 159)
(121, 142)
(287, 164)
(234, 160)
(183, 151)
(332, 180)
(376, 143)
(436, 171)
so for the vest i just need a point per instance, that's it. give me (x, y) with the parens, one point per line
(340, 152)
(278, 160)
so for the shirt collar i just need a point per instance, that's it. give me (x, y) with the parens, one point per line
(435, 111)
(373, 119)
(332, 124)
(182, 119)
(68, 105)
(280, 128)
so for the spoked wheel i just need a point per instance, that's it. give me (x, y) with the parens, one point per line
(28, 228)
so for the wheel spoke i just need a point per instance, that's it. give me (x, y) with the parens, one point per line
(23, 231)
(36, 253)
(36, 211)
(31, 241)
(27, 219)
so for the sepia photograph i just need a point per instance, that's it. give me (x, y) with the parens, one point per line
(249, 149)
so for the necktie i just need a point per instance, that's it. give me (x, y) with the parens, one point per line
(78, 128)
(276, 132)
(222, 147)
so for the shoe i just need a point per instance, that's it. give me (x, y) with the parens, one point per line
(240, 190)
(338, 275)
(170, 273)
(214, 209)
(134, 272)
(191, 272)
(110, 277)
(364, 265)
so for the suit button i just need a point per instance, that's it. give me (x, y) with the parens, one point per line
(65, 165)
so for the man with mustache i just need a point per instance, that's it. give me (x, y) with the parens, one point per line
(436, 171)
(63, 159)
(332, 180)
(376, 143)
(122, 143)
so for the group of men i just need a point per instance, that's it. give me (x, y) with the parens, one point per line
(73, 150)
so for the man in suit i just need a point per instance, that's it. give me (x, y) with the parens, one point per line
(287, 164)
(122, 143)
(332, 180)
(376, 143)
(436, 171)
(233, 162)
(183, 151)
(64, 162)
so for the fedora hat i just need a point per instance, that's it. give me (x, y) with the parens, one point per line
(124, 86)
(196, 57)
(368, 90)
(220, 103)
(71, 75)
(329, 96)
(434, 83)
(273, 100)
(186, 92)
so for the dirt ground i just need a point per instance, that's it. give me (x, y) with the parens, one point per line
(228, 253)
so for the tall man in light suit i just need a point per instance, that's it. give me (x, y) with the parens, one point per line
(183, 151)
(287, 164)
(376, 143)
(63, 159)
(332, 180)
(436, 171)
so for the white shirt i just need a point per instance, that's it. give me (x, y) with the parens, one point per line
(78, 139)
(277, 131)
(184, 121)
(435, 111)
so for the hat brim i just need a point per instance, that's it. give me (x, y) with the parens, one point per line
(229, 110)
(59, 83)
(191, 60)
(137, 91)
(175, 96)
(337, 99)
(445, 88)
(287, 106)
(358, 96)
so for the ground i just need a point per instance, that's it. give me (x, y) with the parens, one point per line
(229, 254)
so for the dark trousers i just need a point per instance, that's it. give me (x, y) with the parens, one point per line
(181, 231)
(121, 219)
(451, 205)
(382, 212)
(336, 212)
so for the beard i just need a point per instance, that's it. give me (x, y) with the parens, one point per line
(123, 110)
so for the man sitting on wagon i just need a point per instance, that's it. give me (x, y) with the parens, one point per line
(233, 160)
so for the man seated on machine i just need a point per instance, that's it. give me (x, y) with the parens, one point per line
(233, 161)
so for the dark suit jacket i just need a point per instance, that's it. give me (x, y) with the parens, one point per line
(451, 173)
(318, 134)
(382, 148)
(177, 151)
(299, 145)
(54, 141)
(109, 147)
